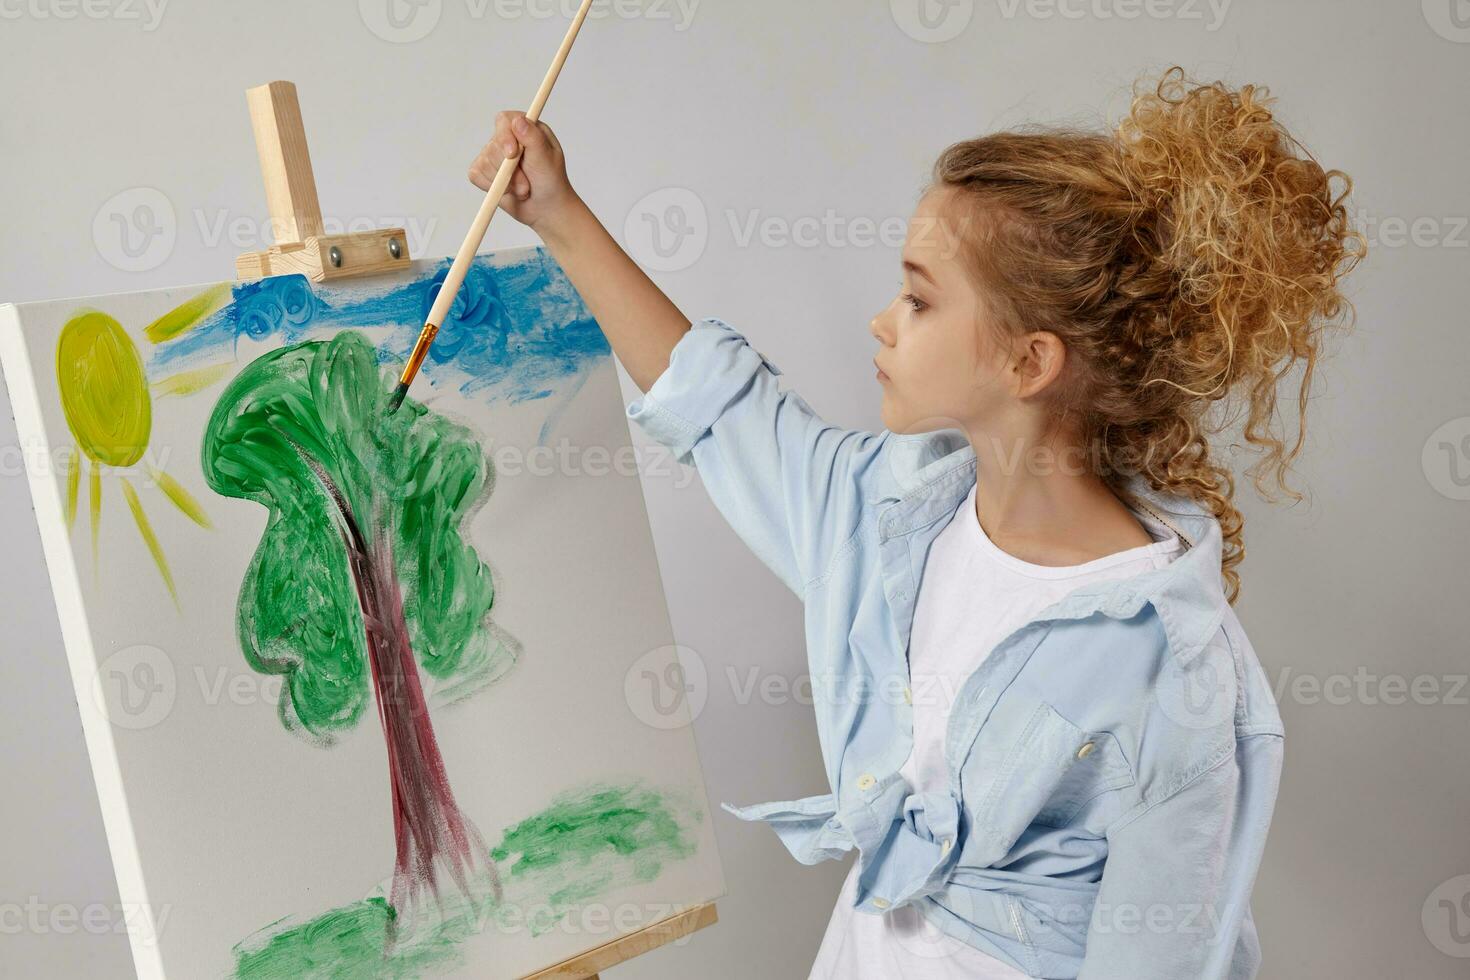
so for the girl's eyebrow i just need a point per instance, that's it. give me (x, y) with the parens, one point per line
(916, 267)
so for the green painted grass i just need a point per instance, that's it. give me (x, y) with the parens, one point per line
(586, 843)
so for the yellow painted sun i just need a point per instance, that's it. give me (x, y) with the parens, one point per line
(109, 409)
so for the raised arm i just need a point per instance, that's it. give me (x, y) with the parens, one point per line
(640, 322)
(789, 483)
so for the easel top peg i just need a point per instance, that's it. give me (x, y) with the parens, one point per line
(302, 245)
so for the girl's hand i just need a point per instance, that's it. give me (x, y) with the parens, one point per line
(539, 192)
(640, 322)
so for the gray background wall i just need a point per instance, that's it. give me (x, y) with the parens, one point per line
(807, 122)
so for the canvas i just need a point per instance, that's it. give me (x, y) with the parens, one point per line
(359, 687)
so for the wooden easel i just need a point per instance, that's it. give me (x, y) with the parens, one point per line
(290, 193)
(296, 215)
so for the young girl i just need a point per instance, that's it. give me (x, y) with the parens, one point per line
(1045, 731)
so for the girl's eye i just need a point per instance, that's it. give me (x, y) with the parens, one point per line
(914, 302)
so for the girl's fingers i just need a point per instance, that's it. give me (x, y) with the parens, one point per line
(538, 139)
(503, 134)
(487, 164)
(551, 141)
(529, 134)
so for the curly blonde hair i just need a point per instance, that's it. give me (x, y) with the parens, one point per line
(1187, 260)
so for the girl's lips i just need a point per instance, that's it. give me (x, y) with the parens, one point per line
(881, 375)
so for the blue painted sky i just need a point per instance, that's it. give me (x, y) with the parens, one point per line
(517, 330)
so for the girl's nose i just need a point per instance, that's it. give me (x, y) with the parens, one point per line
(879, 331)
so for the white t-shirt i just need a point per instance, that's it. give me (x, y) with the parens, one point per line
(971, 596)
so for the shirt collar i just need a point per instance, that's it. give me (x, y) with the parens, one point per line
(927, 475)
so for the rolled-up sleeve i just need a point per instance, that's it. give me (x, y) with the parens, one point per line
(1175, 895)
(788, 482)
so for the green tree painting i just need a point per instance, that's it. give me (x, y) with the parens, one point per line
(363, 586)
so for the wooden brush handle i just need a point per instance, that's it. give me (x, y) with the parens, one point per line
(466, 254)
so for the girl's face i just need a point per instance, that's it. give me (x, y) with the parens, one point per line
(939, 363)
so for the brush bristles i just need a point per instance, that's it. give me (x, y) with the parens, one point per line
(395, 402)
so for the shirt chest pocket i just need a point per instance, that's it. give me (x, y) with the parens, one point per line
(1048, 774)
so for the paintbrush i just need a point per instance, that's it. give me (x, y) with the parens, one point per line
(466, 255)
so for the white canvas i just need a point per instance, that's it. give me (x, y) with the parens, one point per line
(233, 824)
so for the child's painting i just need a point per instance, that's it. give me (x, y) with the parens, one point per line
(353, 680)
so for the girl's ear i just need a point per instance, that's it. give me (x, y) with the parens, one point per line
(1037, 362)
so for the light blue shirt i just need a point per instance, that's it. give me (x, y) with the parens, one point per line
(1113, 763)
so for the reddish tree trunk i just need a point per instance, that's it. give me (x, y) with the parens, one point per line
(430, 832)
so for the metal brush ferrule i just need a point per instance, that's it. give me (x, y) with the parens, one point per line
(420, 351)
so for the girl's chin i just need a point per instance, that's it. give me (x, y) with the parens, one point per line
(885, 411)
(892, 421)
(894, 415)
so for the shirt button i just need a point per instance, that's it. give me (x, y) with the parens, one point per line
(880, 903)
(945, 845)
(866, 781)
(1086, 748)
(908, 696)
